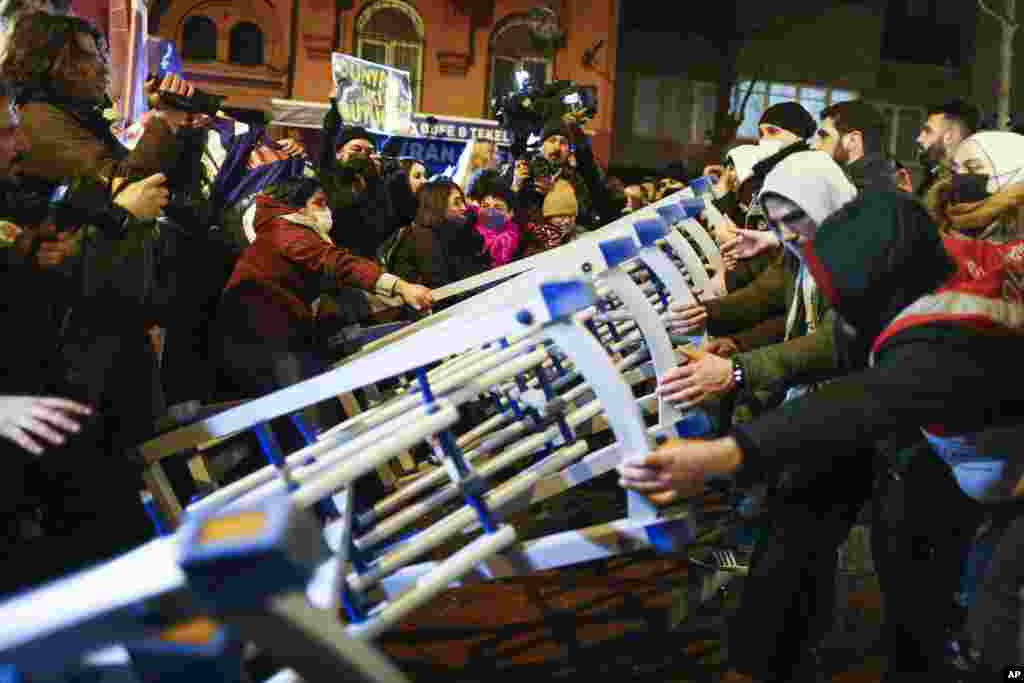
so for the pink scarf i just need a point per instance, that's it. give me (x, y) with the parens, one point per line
(501, 244)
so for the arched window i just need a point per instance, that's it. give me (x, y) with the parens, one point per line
(199, 39)
(513, 50)
(246, 44)
(390, 32)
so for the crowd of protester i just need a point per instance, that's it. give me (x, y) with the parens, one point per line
(832, 342)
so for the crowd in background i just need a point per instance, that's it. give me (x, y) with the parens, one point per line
(206, 262)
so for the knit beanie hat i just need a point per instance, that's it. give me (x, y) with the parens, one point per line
(561, 200)
(350, 133)
(790, 116)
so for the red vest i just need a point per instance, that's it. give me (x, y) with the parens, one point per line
(986, 293)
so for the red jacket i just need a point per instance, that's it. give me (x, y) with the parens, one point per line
(277, 278)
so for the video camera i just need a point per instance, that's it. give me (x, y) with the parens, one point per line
(67, 207)
(525, 111)
(200, 102)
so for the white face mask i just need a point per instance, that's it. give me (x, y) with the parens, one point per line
(324, 221)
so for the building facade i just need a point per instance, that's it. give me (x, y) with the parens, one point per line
(461, 54)
(840, 50)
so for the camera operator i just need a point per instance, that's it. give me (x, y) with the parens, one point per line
(62, 509)
(561, 140)
(104, 293)
(60, 66)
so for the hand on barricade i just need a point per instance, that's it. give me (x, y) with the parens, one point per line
(33, 422)
(417, 296)
(701, 376)
(721, 346)
(686, 319)
(678, 468)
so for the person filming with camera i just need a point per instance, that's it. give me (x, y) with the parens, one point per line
(85, 208)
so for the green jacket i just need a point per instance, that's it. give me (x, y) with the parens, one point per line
(755, 317)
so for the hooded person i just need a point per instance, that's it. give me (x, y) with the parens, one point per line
(984, 196)
(899, 298)
(791, 593)
(782, 304)
(735, 172)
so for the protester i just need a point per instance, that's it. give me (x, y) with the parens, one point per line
(559, 222)
(356, 189)
(873, 259)
(635, 198)
(984, 195)
(946, 127)
(496, 223)
(478, 155)
(402, 186)
(853, 133)
(442, 246)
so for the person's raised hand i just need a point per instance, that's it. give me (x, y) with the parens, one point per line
(34, 422)
(685, 319)
(146, 198)
(417, 296)
(291, 147)
(748, 243)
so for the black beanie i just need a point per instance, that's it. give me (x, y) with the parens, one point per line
(790, 116)
(350, 133)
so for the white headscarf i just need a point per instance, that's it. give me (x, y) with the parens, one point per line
(1005, 151)
(812, 181)
(744, 158)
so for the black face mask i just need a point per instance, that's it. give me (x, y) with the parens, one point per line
(969, 188)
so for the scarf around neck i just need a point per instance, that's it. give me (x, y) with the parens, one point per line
(502, 244)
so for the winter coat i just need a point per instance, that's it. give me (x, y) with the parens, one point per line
(270, 295)
(872, 260)
(440, 255)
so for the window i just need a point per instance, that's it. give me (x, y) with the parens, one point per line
(646, 106)
(246, 44)
(390, 32)
(813, 98)
(199, 39)
(904, 125)
(673, 108)
(511, 48)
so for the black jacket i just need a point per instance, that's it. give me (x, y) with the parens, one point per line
(872, 173)
(928, 374)
(362, 225)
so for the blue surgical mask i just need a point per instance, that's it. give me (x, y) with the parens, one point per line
(493, 219)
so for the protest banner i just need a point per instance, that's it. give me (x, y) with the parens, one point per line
(374, 96)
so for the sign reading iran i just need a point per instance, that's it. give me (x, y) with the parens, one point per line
(376, 97)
